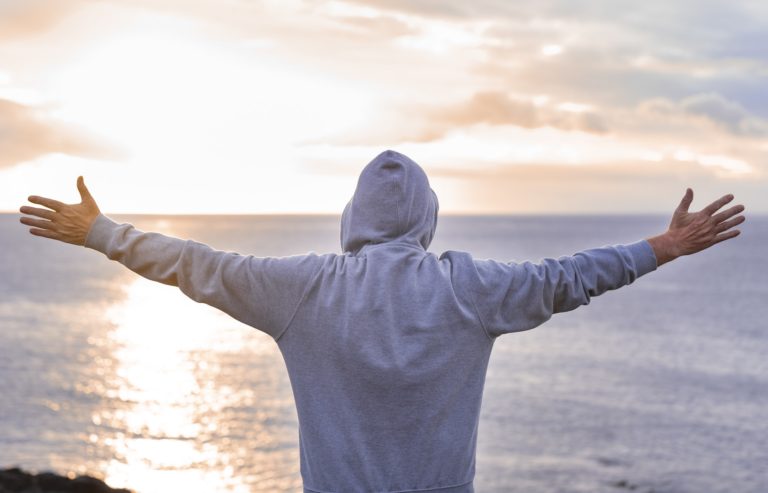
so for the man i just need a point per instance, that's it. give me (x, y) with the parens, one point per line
(386, 345)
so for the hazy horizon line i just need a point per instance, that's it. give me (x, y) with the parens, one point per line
(329, 214)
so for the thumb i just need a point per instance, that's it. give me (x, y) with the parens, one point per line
(686, 202)
(85, 195)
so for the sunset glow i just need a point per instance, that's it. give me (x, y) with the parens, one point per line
(274, 107)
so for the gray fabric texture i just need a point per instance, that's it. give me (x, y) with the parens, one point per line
(386, 344)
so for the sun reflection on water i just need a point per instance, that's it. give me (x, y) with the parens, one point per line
(169, 429)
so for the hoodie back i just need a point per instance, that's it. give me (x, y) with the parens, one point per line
(386, 345)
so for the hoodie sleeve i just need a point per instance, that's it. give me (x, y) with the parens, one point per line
(261, 292)
(511, 297)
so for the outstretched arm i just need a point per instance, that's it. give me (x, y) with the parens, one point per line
(692, 232)
(511, 297)
(262, 292)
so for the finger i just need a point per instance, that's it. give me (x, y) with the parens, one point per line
(36, 211)
(45, 233)
(726, 236)
(46, 202)
(722, 216)
(686, 202)
(717, 204)
(726, 225)
(39, 223)
(85, 195)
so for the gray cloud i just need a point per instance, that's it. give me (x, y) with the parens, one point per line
(697, 46)
(25, 134)
(714, 26)
(728, 115)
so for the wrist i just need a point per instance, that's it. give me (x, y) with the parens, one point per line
(101, 231)
(664, 247)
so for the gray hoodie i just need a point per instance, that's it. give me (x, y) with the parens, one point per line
(386, 345)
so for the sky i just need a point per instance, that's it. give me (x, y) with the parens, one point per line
(554, 106)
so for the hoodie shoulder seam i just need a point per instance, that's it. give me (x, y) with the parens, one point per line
(471, 298)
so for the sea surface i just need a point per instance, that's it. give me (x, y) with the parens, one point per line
(660, 386)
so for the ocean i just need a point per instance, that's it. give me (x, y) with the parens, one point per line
(661, 386)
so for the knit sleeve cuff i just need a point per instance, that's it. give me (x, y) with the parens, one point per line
(100, 233)
(642, 253)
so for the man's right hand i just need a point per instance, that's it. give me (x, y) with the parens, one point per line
(69, 223)
(692, 232)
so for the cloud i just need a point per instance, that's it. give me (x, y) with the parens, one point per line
(613, 53)
(497, 108)
(21, 18)
(430, 122)
(26, 133)
(384, 27)
(601, 41)
(689, 22)
(428, 8)
(728, 115)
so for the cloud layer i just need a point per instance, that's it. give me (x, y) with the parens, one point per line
(26, 133)
(612, 89)
(22, 18)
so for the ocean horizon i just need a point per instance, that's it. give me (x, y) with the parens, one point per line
(659, 386)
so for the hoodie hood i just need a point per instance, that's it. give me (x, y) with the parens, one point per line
(392, 202)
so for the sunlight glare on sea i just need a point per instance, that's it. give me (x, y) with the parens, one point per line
(161, 371)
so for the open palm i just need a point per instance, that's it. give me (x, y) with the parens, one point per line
(695, 231)
(69, 223)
